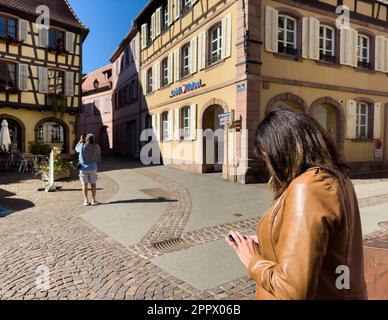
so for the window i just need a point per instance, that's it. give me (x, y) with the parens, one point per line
(165, 126)
(215, 44)
(362, 120)
(56, 83)
(149, 38)
(185, 63)
(287, 35)
(51, 133)
(185, 122)
(186, 6)
(164, 72)
(7, 74)
(149, 80)
(7, 27)
(364, 51)
(326, 43)
(56, 39)
(165, 18)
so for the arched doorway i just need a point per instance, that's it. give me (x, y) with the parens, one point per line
(292, 105)
(53, 133)
(104, 139)
(287, 100)
(213, 140)
(328, 113)
(16, 131)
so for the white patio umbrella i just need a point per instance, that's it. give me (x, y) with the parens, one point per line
(5, 138)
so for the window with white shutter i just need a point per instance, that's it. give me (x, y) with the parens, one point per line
(43, 79)
(215, 44)
(177, 65)
(69, 84)
(351, 118)
(377, 121)
(177, 9)
(363, 51)
(170, 67)
(193, 122)
(202, 49)
(271, 29)
(185, 60)
(70, 39)
(23, 30)
(327, 44)
(43, 37)
(362, 120)
(170, 11)
(380, 53)
(158, 22)
(144, 35)
(177, 125)
(310, 37)
(23, 77)
(193, 55)
(226, 36)
(349, 47)
(153, 27)
(287, 35)
(170, 123)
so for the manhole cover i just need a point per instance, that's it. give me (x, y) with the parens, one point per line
(170, 245)
(384, 225)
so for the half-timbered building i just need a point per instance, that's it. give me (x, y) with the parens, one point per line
(40, 71)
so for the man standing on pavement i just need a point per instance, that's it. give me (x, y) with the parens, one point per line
(89, 154)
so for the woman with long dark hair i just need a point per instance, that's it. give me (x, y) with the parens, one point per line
(309, 243)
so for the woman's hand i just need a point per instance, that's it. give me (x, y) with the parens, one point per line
(246, 248)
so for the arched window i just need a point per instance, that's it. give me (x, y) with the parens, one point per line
(327, 43)
(287, 36)
(363, 53)
(215, 44)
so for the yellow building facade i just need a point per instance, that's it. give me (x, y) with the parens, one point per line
(208, 64)
(40, 73)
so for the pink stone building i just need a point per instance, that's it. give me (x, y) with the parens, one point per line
(126, 96)
(97, 113)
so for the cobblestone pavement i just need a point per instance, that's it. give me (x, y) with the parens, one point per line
(84, 263)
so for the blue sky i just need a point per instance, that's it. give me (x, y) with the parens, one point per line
(108, 21)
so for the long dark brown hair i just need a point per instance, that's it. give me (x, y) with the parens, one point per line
(291, 142)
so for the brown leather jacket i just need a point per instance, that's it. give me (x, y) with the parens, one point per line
(310, 231)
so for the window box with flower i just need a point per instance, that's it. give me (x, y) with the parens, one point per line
(8, 39)
(11, 89)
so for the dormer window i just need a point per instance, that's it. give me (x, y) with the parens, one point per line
(96, 84)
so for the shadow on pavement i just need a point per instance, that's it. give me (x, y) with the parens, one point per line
(370, 175)
(157, 200)
(15, 205)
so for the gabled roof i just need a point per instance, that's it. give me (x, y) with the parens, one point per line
(88, 81)
(60, 10)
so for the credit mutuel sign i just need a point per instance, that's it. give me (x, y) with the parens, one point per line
(186, 88)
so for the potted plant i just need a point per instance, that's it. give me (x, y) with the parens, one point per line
(12, 89)
(62, 169)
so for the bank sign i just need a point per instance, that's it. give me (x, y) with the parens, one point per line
(186, 88)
